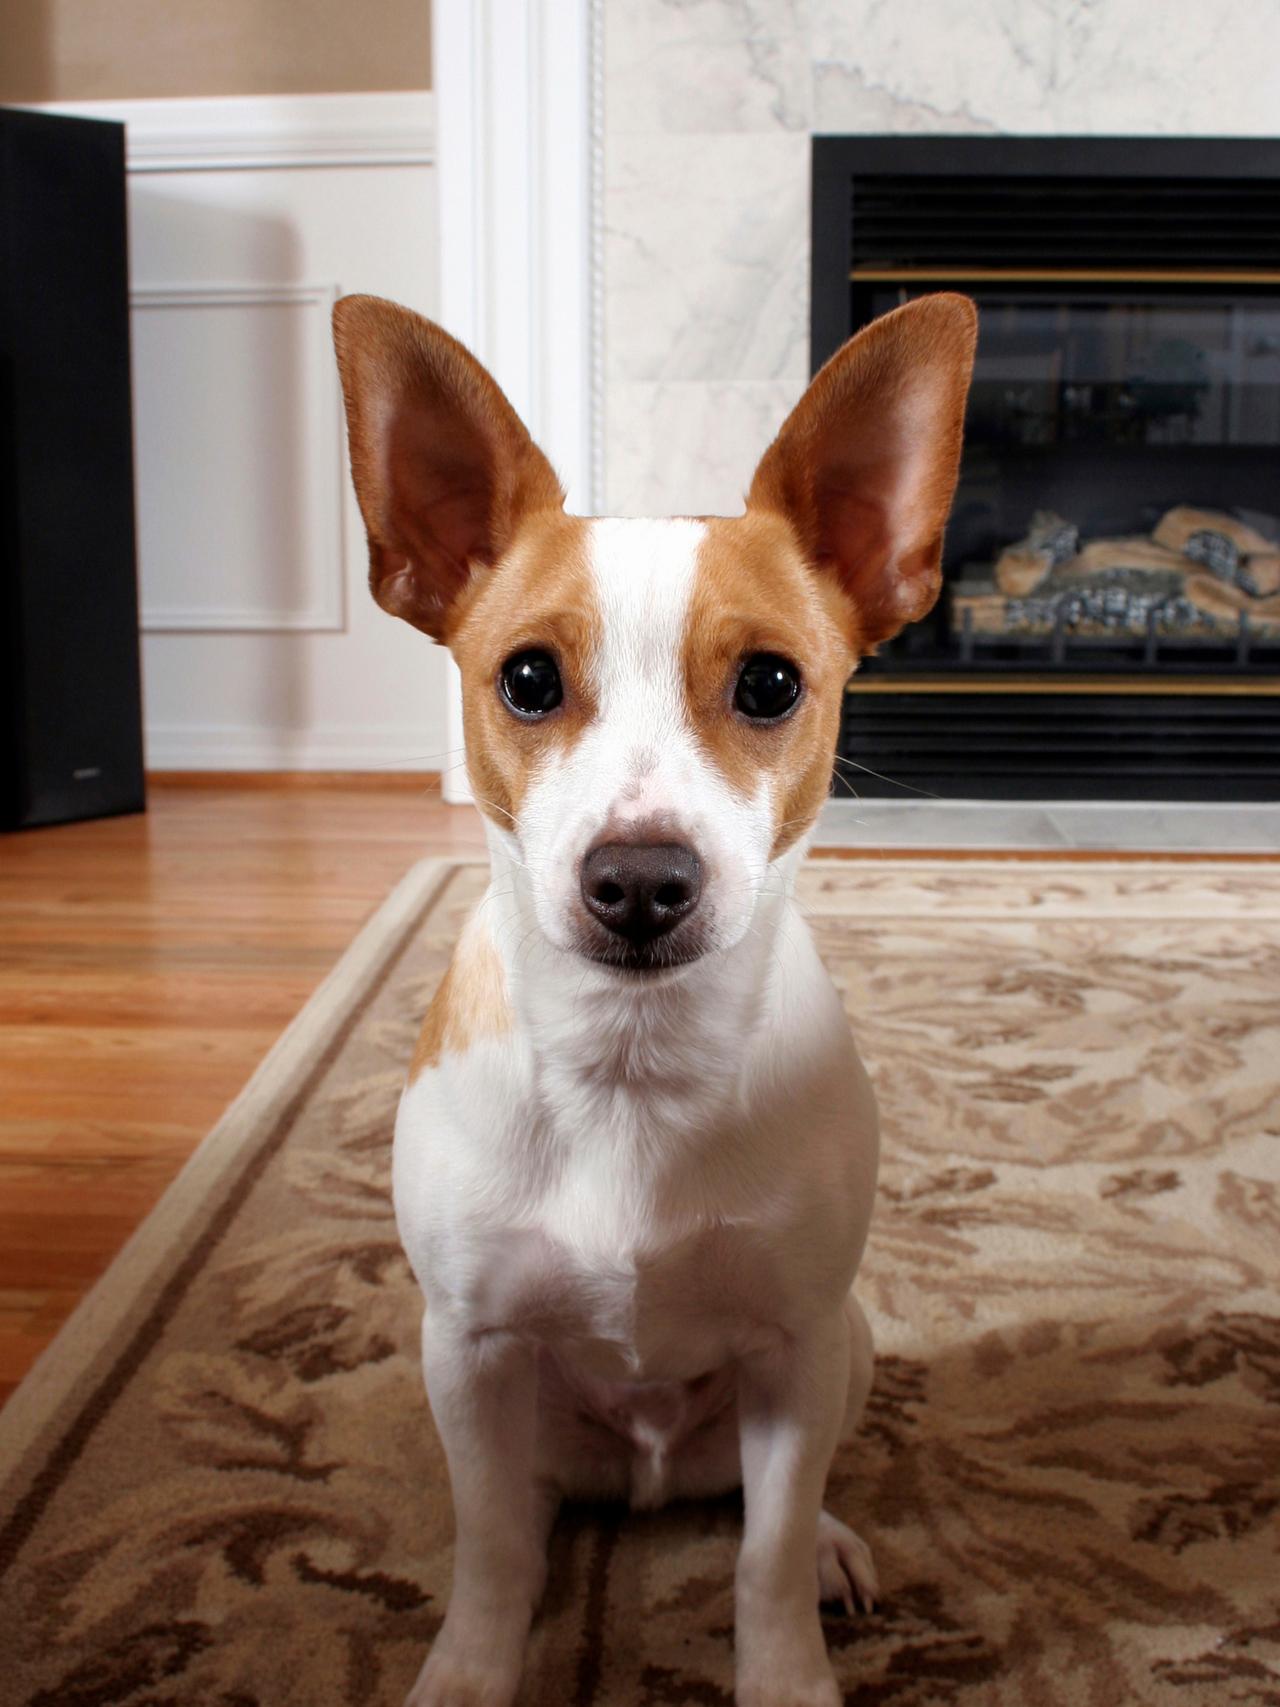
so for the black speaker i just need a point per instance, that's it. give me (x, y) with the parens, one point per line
(71, 741)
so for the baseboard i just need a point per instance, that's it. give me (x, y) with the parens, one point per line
(360, 782)
(233, 748)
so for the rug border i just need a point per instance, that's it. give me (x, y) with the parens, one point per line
(75, 1358)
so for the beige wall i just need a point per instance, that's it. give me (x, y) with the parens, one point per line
(83, 50)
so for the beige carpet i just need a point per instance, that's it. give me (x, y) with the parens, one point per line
(222, 1489)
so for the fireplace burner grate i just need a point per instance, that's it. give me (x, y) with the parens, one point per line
(1006, 223)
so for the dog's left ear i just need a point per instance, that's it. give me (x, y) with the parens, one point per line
(865, 465)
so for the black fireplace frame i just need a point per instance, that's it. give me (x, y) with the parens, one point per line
(1048, 735)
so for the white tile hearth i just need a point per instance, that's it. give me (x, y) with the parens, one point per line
(1102, 826)
(874, 824)
(1179, 828)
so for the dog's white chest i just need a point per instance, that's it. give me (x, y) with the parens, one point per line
(618, 1297)
(635, 1277)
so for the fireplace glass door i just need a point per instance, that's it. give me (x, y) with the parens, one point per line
(1119, 500)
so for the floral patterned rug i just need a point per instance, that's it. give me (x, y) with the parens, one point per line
(221, 1487)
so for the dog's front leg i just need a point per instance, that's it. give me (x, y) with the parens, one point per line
(483, 1393)
(791, 1399)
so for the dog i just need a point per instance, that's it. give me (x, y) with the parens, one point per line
(635, 1159)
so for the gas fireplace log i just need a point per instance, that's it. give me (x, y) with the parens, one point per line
(1051, 541)
(1200, 576)
(1253, 574)
(1261, 573)
(1180, 524)
(1137, 553)
(1218, 599)
(1238, 554)
(1020, 571)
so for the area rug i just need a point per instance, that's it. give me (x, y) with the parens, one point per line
(222, 1488)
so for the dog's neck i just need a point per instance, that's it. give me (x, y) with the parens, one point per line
(601, 1039)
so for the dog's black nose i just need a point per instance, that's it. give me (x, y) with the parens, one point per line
(640, 890)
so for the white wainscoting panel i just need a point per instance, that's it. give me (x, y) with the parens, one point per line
(239, 458)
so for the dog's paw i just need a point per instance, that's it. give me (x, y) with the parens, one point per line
(448, 1680)
(818, 1691)
(782, 1660)
(846, 1570)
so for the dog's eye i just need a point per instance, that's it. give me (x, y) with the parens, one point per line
(768, 686)
(531, 683)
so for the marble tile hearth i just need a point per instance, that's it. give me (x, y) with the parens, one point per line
(1050, 826)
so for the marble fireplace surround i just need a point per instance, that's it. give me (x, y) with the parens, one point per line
(708, 109)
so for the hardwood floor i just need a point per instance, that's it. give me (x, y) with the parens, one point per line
(147, 964)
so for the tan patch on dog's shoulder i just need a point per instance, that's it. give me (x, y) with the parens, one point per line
(753, 592)
(540, 596)
(470, 1002)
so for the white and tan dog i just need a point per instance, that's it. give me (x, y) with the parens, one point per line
(636, 1157)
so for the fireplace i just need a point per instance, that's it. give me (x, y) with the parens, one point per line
(1110, 620)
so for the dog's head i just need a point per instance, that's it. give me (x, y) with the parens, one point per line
(651, 707)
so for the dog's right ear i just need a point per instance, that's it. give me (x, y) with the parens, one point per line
(443, 466)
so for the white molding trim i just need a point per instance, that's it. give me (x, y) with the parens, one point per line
(254, 132)
(394, 748)
(231, 295)
(519, 127)
(324, 610)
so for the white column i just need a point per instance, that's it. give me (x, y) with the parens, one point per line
(518, 147)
